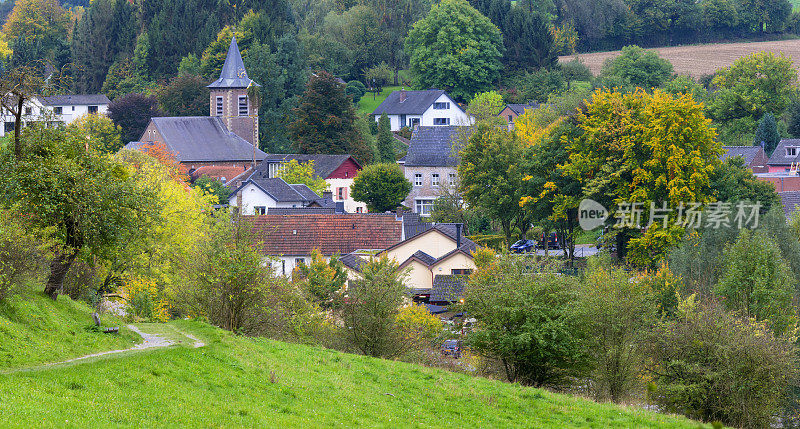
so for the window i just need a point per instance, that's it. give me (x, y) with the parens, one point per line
(93, 110)
(243, 105)
(299, 261)
(451, 178)
(28, 111)
(260, 210)
(8, 127)
(73, 108)
(413, 122)
(791, 151)
(359, 209)
(441, 106)
(274, 168)
(58, 110)
(435, 179)
(424, 207)
(219, 106)
(441, 121)
(341, 193)
(417, 179)
(510, 118)
(460, 271)
(283, 266)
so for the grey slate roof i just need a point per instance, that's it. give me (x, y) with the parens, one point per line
(305, 191)
(779, 155)
(447, 288)
(277, 189)
(324, 165)
(433, 146)
(790, 201)
(352, 261)
(75, 100)
(423, 257)
(520, 108)
(416, 102)
(233, 73)
(747, 152)
(203, 138)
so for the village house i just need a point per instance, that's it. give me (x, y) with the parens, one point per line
(259, 196)
(421, 108)
(510, 112)
(57, 110)
(754, 157)
(288, 240)
(431, 165)
(221, 145)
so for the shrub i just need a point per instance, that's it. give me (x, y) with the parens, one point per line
(418, 327)
(321, 279)
(143, 300)
(713, 365)
(21, 252)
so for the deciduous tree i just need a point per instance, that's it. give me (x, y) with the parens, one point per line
(294, 172)
(382, 186)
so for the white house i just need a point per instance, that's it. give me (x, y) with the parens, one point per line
(425, 108)
(257, 196)
(57, 109)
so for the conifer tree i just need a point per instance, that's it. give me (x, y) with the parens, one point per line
(767, 133)
(385, 140)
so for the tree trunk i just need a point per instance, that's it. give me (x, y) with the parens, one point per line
(17, 129)
(59, 267)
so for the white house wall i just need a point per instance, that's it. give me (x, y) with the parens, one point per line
(454, 113)
(253, 197)
(41, 113)
(350, 205)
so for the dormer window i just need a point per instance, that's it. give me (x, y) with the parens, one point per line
(791, 151)
(441, 106)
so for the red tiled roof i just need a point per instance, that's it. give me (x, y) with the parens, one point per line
(330, 233)
(217, 172)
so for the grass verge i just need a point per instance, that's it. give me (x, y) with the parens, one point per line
(250, 382)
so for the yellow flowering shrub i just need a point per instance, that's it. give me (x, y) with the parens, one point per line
(144, 300)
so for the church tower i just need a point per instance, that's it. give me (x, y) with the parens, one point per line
(229, 100)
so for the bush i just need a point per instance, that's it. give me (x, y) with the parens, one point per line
(713, 365)
(528, 320)
(538, 86)
(576, 70)
(143, 300)
(22, 255)
(419, 328)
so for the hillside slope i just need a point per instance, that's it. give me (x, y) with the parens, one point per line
(35, 329)
(245, 382)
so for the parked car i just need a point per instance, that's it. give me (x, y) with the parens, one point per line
(451, 348)
(550, 243)
(523, 246)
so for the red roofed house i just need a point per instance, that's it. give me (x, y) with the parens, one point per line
(289, 239)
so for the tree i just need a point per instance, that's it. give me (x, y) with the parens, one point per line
(23, 252)
(325, 121)
(322, 279)
(760, 16)
(132, 113)
(294, 172)
(767, 134)
(619, 312)
(40, 22)
(528, 40)
(122, 79)
(99, 130)
(455, 48)
(184, 95)
(757, 282)
(527, 319)
(491, 177)
(713, 365)
(377, 77)
(639, 68)
(355, 89)
(189, 65)
(370, 310)
(214, 187)
(647, 148)
(732, 182)
(89, 199)
(396, 18)
(485, 105)
(382, 186)
(386, 140)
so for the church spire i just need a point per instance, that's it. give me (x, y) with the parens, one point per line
(233, 73)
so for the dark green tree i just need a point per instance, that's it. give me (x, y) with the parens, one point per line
(455, 48)
(213, 186)
(184, 95)
(386, 140)
(767, 135)
(527, 39)
(733, 182)
(132, 113)
(325, 121)
(639, 68)
(382, 186)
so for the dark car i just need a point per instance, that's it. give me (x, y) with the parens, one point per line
(451, 348)
(523, 246)
(550, 243)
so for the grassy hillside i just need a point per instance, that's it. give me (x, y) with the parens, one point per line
(35, 329)
(244, 382)
(367, 105)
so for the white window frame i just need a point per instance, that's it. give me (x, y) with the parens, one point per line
(244, 108)
(441, 105)
(260, 210)
(452, 179)
(435, 179)
(220, 106)
(417, 179)
(424, 206)
(445, 120)
(791, 151)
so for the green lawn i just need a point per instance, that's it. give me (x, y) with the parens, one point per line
(367, 105)
(250, 382)
(35, 329)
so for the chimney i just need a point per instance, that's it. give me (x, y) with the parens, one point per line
(327, 194)
(402, 95)
(458, 235)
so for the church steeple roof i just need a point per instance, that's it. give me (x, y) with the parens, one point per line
(233, 73)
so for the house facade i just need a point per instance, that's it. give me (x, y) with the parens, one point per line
(57, 109)
(421, 108)
(785, 157)
(259, 196)
(431, 165)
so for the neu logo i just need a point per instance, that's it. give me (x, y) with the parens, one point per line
(591, 214)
